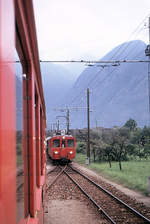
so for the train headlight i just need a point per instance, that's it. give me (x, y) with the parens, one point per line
(56, 152)
(71, 152)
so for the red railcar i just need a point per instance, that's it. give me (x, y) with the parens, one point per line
(21, 187)
(61, 148)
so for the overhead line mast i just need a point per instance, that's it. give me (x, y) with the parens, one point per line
(149, 70)
(88, 127)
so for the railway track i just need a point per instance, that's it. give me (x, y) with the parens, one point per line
(111, 207)
(57, 171)
(19, 180)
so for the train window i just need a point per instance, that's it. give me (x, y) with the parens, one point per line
(19, 145)
(36, 133)
(56, 143)
(70, 142)
(63, 143)
(41, 137)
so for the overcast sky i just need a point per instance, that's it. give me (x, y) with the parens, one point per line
(75, 29)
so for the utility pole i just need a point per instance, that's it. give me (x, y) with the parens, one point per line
(57, 125)
(54, 126)
(149, 69)
(68, 120)
(88, 124)
(96, 124)
(147, 52)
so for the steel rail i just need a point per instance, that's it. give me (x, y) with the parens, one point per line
(113, 196)
(20, 186)
(50, 185)
(19, 173)
(91, 199)
(50, 171)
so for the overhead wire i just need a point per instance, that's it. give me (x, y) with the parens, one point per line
(121, 48)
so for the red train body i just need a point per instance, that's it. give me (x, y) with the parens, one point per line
(17, 31)
(61, 148)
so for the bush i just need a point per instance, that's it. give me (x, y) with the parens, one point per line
(81, 147)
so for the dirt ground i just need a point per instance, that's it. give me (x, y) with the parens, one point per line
(70, 212)
(75, 211)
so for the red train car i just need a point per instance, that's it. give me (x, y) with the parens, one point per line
(61, 148)
(21, 186)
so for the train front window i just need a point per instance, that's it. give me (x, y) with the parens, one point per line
(56, 143)
(63, 143)
(70, 142)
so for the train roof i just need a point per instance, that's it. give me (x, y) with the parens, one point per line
(60, 134)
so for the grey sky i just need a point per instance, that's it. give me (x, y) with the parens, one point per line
(74, 29)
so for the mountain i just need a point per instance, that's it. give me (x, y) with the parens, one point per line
(118, 91)
(75, 69)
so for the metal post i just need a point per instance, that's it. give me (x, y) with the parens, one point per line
(67, 121)
(57, 125)
(88, 124)
(96, 124)
(149, 185)
(149, 73)
(54, 125)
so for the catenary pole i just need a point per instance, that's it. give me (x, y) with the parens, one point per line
(88, 124)
(149, 72)
(68, 120)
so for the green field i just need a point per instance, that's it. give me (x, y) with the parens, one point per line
(134, 174)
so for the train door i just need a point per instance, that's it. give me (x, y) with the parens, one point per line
(63, 148)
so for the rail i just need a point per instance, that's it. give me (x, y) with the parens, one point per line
(113, 196)
(91, 199)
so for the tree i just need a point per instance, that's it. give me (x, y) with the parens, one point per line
(141, 137)
(146, 150)
(81, 147)
(138, 140)
(121, 139)
(108, 153)
(94, 149)
(131, 124)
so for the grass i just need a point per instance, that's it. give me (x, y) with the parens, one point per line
(19, 154)
(134, 174)
(80, 158)
(19, 160)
